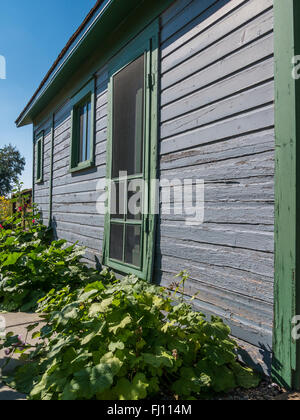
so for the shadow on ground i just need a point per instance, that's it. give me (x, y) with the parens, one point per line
(7, 394)
(16, 323)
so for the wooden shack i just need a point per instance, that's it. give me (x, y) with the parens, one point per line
(189, 93)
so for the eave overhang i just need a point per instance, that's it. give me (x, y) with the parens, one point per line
(107, 18)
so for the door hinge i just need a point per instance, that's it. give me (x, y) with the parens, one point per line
(147, 224)
(150, 81)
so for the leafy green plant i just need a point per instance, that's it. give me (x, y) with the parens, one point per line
(31, 264)
(128, 340)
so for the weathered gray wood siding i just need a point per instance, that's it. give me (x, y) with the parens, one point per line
(217, 124)
(41, 190)
(74, 196)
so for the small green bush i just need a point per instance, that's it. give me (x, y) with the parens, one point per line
(127, 340)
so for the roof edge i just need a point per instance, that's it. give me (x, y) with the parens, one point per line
(61, 56)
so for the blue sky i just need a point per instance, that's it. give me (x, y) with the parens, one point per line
(32, 34)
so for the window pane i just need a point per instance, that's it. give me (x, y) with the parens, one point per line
(128, 119)
(39, 159)
(116, 241)
(89, 123)
(82, 136)
(135, 199)
(85, 130)
(117, 200)
(133, 245)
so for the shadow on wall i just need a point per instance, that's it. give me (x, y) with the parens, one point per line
(267, 359)
(259, 359)
(53, 226)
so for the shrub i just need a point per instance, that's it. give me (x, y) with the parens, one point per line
(31, 265)
(128, 340)
(5, 209)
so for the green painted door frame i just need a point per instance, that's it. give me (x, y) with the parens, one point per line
(286, 362)
(147, 43)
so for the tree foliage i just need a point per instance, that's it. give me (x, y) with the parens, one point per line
(12, 165)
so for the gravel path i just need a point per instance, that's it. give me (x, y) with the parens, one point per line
(16, 323)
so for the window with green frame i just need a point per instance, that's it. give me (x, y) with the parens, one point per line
(39, 158)
(132, 157)
(83, 117)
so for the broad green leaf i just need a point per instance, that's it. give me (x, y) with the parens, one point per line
(36, 392)
(223, 379)
(158, 360)
(137, 390)
(245, 377)
(190, 383)
(36, 335)
(102, 307)
(114, 362)
(119, 345)
(12, 258)
(102, 378)
(81, 385)
(123, 324)
(86, 340)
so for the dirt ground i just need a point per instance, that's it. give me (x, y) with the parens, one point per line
(267, 391)
(7, 394)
